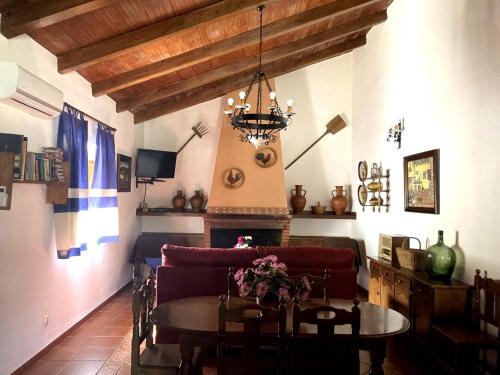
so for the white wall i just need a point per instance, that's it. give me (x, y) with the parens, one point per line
(437, 64)
(320, 92)
(34, 282)
(194, 166)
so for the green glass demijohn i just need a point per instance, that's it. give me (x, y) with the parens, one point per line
(440, 259)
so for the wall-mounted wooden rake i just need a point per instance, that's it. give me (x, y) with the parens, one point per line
(334, 126)
(199, 130)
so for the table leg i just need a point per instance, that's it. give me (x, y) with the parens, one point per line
(377, 356)
(187, 351)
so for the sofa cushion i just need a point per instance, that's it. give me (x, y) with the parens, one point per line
(206, 257)
(308, 257)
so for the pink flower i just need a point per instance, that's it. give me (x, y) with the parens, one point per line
(241, 239)
(262, 288)
(244, 289)
(279, 266)
(269, 259)
(238, 277)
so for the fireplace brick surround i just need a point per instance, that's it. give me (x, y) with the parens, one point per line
(250, 222)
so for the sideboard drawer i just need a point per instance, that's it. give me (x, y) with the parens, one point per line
(422, 291)
(387, 274)
(402, 283)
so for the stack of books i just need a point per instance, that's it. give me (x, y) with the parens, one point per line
(45, 166)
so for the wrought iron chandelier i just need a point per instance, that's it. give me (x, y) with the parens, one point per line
(259, 128)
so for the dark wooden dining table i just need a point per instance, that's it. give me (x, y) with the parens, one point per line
(196, 321)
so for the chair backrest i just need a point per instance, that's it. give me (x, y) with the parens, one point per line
(142, 304)
(326, 317)
(317, 283)
(491, 311)
(253, 317)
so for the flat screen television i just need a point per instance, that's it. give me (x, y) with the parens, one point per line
(155, 164)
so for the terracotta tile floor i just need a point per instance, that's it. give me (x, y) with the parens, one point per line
(101, 346)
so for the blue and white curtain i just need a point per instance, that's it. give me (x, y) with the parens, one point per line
(89, 216)
(71, 219)
(103, 199)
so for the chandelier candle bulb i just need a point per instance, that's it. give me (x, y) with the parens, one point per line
(289, 103)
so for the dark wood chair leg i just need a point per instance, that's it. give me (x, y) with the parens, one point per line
(377, 356)
(187, 352)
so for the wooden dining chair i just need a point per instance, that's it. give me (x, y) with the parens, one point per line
(457, 349)
(257, 349)
(150, 358)
(319, 284)
(325, 352)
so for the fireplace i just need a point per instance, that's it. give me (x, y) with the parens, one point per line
(226, 237)
(267, 230)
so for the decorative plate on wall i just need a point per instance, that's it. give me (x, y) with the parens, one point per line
(362, 170)
(266, 157)
(233, 178)
(362, 194)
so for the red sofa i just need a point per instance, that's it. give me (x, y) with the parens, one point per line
(193, 271)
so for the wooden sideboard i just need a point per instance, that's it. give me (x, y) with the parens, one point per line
(424, 301)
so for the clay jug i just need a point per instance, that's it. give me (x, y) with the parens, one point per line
(298, 200)
(179, 201)
(339, 200)
(196, 201)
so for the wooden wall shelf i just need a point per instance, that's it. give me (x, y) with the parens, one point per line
(190, 213)
(326, 215)
(169, 212)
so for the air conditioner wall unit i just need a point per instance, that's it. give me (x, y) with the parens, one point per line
(23, 90)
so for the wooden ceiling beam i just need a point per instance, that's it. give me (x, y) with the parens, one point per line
(216, 89)
(133, 102)
(224, 46)
(7, 4)
(24, 18)
(100, 51)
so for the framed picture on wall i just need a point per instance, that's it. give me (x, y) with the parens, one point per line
(421, 182)
(123, 172)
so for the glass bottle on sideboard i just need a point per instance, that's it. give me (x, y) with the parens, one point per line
(440, 259)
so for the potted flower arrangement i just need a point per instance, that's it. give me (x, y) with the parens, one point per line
(269, 280)
(243, 242)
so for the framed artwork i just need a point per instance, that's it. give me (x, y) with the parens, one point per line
(421, 182)
(123, 172)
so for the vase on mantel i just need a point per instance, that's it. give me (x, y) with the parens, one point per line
(440, 259)
(179, 201)
(298, 200)
(196, 201)
(339, 200)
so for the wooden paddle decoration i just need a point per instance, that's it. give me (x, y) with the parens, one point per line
(334, 126)
(199, 130)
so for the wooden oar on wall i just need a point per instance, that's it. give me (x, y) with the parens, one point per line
(334, 126)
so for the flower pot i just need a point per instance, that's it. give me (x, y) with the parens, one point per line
(196, 201)
(298, 200)
(179, 201)
(339, 200)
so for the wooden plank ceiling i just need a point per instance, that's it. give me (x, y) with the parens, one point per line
(155, 57)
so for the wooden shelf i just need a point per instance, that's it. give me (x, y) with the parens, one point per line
(31, 182)
(326, 215)
(169, 212)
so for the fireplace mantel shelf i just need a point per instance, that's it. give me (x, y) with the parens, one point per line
(168, 212)
(189, 213)
(326, 215)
